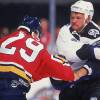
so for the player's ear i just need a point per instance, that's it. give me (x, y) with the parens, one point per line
(88, 19)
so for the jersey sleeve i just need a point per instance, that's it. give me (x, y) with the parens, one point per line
(52, 68)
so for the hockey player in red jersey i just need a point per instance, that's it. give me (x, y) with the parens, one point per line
(23, 59)
(25, 56)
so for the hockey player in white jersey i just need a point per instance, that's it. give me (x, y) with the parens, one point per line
(77, 41)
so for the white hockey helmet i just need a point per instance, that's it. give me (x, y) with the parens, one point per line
(84, 7)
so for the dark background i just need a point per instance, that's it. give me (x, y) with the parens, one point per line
(11, 13)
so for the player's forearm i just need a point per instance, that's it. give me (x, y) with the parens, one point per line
(57, 70)
(86, 52)
(89, 52)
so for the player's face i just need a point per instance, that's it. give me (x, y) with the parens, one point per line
(77, 21)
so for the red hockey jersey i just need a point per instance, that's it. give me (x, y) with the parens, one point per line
(24, 56)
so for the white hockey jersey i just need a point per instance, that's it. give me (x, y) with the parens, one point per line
(68, 44)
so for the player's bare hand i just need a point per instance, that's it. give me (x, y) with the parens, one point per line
(80, 73)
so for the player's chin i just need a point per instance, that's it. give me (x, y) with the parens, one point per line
(75, 27)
